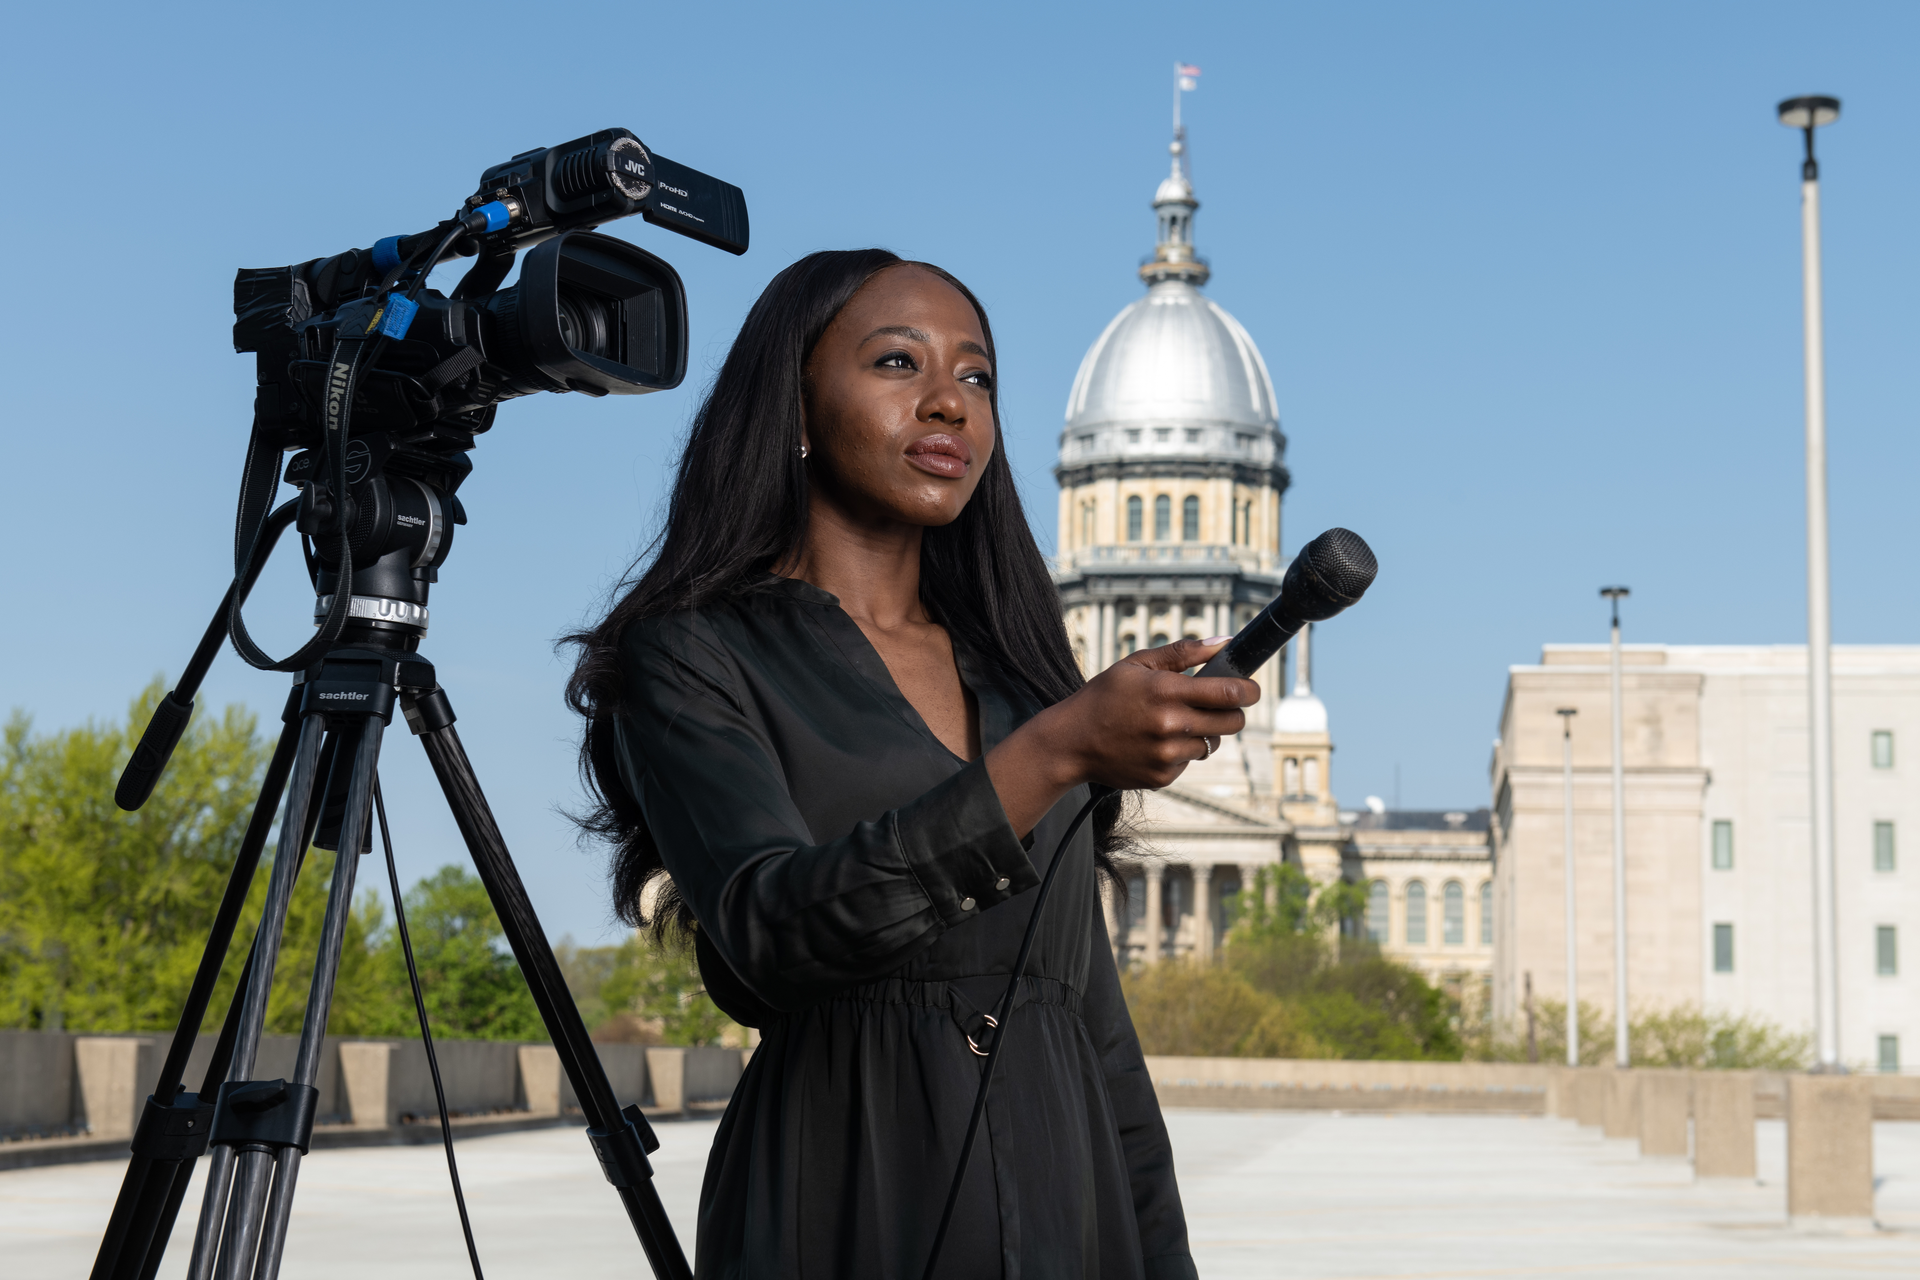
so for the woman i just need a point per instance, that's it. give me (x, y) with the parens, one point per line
(840, 711)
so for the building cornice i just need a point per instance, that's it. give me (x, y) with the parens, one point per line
(1273, 476)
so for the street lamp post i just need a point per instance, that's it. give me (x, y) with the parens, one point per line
(1808, 114)
(1566, 715)
(1621, 1056)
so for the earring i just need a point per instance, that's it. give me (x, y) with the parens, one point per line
(803, 451)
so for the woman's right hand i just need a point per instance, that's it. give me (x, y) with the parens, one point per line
(1136, 725)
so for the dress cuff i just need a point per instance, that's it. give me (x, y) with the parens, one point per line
(961, 848)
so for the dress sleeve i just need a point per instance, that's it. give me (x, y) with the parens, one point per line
(794, 919)
(1143, 1132)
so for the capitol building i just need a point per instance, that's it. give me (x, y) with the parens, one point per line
(1172, 471)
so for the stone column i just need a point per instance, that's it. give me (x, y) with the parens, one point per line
(1249, 876)
(1830, 1149)
(1103, 658)
(1154, 930)
(1723, 1117)
(1203, 911)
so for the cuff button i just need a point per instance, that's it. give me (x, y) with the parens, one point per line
(1002, 883)
(966, 904)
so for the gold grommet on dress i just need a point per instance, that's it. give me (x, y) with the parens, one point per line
(991, 1021)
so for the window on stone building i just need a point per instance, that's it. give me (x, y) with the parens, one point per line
(1722, 844)
(1486, 914)
(1377, 907)
(1890, 1055)
(1133, 435)
(1723, 948)
(1190, 519)
(1886, 950)
(1162, 435)
(1416, 914)
(1883, 748)
(1883, 846)
(1159, 638)
(1133, 519)
(1290, 776)
(1162, 518)
(1128, 644)
(1310, 776)
(1193, 435)
(1453, 914)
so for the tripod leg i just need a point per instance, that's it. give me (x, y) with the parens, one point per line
(253, 1012)
(143, 1214)
(326, 967)
(529, 941)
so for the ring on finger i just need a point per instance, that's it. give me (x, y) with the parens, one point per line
(1212, 744)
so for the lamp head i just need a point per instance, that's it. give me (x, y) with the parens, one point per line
(1809, 113)
(1615, 593)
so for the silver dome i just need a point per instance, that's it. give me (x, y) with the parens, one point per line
(1173, 375)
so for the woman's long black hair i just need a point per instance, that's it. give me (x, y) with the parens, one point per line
(739, 506)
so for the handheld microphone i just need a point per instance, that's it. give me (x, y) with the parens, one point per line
(1330, 573)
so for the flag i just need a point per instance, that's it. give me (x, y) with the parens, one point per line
(1189, 75)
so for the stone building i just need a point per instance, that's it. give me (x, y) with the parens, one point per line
(1718, 845)
(1172, 468)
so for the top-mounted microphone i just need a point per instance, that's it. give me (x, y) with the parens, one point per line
(1330, 573)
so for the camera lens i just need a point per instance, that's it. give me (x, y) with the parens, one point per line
(586, 325)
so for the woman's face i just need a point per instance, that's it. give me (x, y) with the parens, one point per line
(899, 412)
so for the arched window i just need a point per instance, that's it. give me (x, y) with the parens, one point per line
(1377, 911)
(1454, 914)
(1416, 914)
(1190, 519)
(1486, 914)
(1162, 518)
(1159, 638)
(1133, 519)
(1310, 776)
(1290, 776)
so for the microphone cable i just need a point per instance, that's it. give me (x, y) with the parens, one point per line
(1003, 1022)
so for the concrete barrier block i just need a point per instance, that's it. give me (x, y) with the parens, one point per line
(1622, 1119)
(540, 1079)
(710, 1073)
(108, 1072)
(366, 1071)
(1723, 1116)
(1830, 1149)
(1666, 1098)
(1588, 1089)
(36, 1082)
(667, 1072)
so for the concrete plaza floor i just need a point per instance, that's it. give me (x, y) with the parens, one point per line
(1268, 1194)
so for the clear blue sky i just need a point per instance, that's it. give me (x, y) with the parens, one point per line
(1526, 275)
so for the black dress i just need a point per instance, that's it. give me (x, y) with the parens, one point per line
(861, 898)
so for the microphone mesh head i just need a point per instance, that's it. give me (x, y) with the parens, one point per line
(1342, 559)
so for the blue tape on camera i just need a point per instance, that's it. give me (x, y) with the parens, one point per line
(498, 215)
(386, 254)
(396, 316)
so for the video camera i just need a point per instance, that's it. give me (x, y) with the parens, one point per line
(356, 339)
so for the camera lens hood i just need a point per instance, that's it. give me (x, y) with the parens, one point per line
(601, 316)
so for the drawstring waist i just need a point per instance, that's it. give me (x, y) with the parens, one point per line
(970, 1002)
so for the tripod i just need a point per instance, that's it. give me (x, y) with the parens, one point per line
(329, 749)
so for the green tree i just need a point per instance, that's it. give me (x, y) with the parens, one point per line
(471, 983)
(662, 985)
(1294, 981)
(1683, 1036)
(104, 914)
